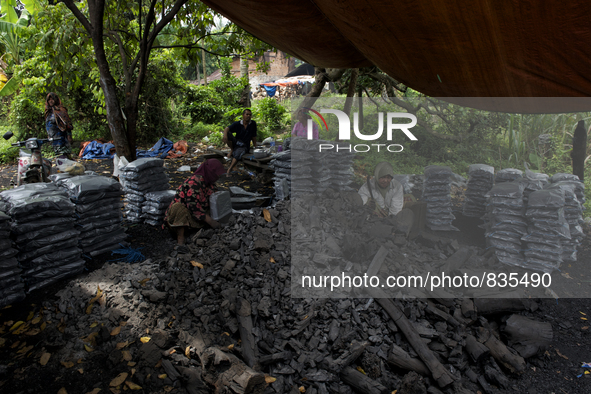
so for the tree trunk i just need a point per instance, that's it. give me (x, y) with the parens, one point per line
(107, 82)
(360, 97)
(579, 151)
(351, 91)
(322, 76)
(204, 70)
(244, 74)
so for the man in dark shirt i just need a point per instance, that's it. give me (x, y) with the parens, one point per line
(238, 136)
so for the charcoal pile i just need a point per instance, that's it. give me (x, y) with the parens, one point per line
(548, 229)
(12, 287)
(155, 206)
(533, 181)
(43, 228)
(575, 181)
(138, 178)
(222, 313)
(98, 212)
(505, 222)
(508, 175)
(317, 170)
(481, 179)
(437, 195)
(574, 195)
(281, 164)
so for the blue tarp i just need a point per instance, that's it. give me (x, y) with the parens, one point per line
(160, 149)
(270, 90)
(97, 150)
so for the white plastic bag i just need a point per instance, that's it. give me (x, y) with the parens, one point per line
(118, 164)
(69, 166)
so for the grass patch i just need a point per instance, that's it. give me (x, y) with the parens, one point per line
(8, 153)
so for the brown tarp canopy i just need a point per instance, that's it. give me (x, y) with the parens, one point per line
(481, 48)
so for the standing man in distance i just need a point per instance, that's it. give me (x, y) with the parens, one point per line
(238, 136)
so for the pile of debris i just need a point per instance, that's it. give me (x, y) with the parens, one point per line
(222, 314)
(281, 92)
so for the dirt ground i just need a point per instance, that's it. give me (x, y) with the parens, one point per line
(558, 370)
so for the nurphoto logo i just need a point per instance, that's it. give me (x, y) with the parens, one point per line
(345, 130)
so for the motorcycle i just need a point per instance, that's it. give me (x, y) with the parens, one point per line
(32, 167)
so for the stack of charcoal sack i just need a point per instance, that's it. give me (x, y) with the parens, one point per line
(508, 175)
(43, 228)
(548, 229)
(437, 195)
(12, 287)
(480, 181)
(98, 212)
(533, 181)
(505, 223)
(281, 164)
(319, 165)
(138, 178)
(155, 205)
(573, 211)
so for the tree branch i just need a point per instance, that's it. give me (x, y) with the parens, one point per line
(422, 123)
(79, 15)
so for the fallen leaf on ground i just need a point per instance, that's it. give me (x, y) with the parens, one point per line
(121, 345)
(16, 325)
(132, 385)
(62, 391)
(267, 215)
(80, 370)
(145, 339)
(269, 379)
(94, 391)
(116, 331)
(131, 364)
(561, 355)
(162, 376)
(119, 379)
(25, 350)
(44, 358)
(32, 332)
(196, 264)
(126, 355)
(88, 348)
(67, 364)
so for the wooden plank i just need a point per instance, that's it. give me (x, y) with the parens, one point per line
(253, 164)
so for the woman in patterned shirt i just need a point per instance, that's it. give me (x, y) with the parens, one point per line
(190, 206)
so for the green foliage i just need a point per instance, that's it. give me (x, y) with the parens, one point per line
(270, 117)
(8, 153)
(215, 138)
(230, 89)
(198, 131)
(162, 85)
(26, 116)
(202, 104)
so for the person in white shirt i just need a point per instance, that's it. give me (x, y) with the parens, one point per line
(383, 193)
(384, 196)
